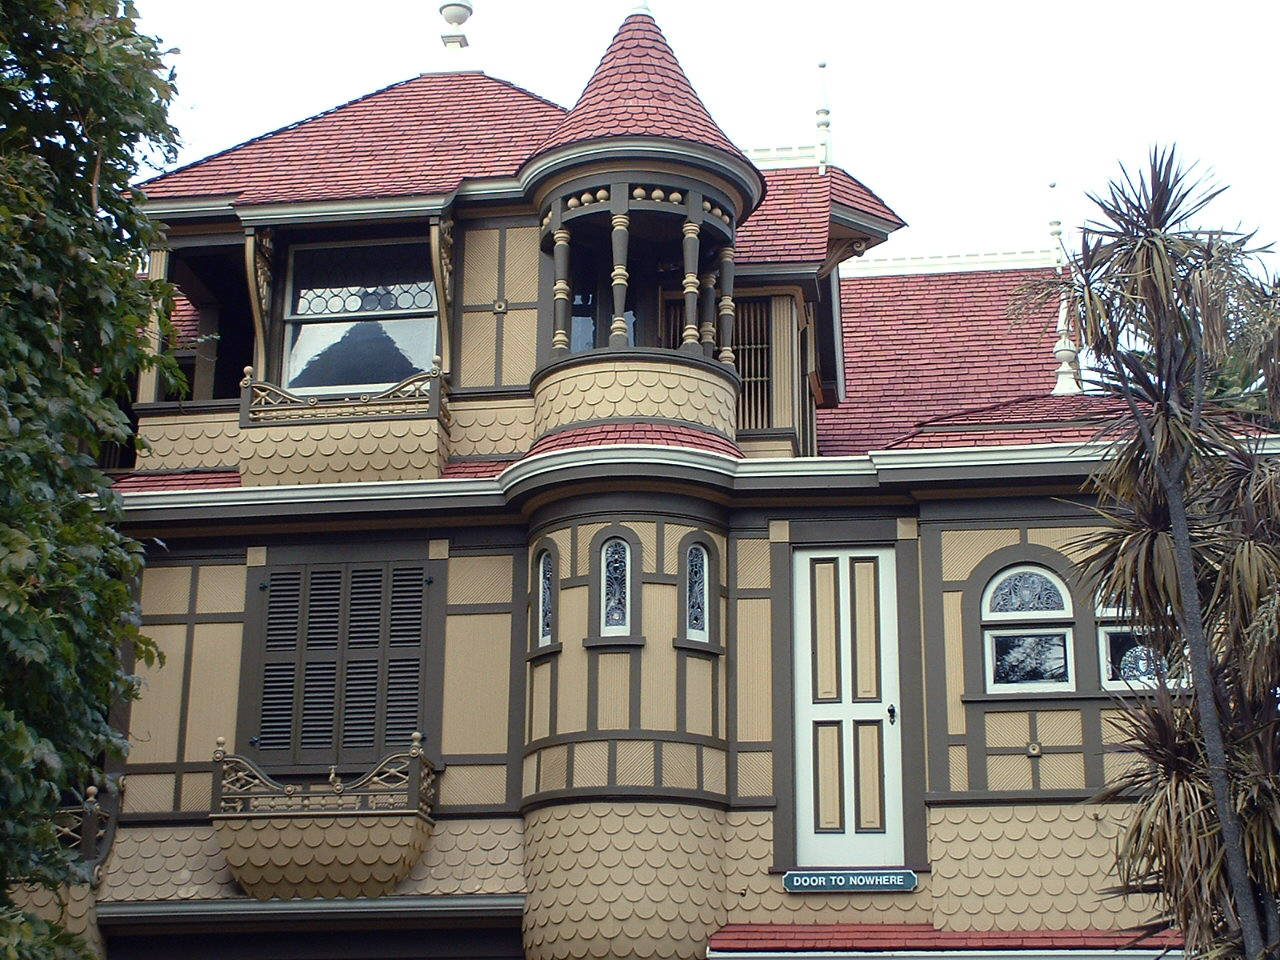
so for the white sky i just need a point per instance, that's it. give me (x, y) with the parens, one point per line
(958, 114)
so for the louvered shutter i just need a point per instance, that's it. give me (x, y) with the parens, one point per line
(343, 652)
(752, 348)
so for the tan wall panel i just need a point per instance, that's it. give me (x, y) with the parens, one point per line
(148, 793)
(1050, 868)
(1009, 772)
(591, 764)
(215, 686)
(1059, 728)
(754, 449)
(187, 442)
(647, 534)
(870, 776)
(866, 631)
(672, 534)
(153, 720)
(698, 695)
(680, 766)
(480, 267)
(755, 774)
(1113, 726)
(519, 346)
(962, 550)
(953, 643)
(572, 683)
(1062, 771)
(491, 427)
(658, 672)
(467, 785)
(220, 588)
(1064, 540)
(1008, 728)
(540, 700)
(166, 591)
(635, 763)
(958, 762)
(828, 772)
(1116, 764)
(753, 564)
(755, 671)
(826, 630)
(713, 770)
(477, 350)
(615, 691)
(197, 792)
(477, 657)
(480, 579)
(555, 768)
(529, 775)
(521, 280)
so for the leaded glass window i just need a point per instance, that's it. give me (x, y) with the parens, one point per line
(1033, 650)
(545, 575)
(359, 315)
(615, 612)
(696, 592)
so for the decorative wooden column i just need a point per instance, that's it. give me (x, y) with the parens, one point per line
(708, 309)
(726, 306)
(689, 342)
(149, 378)
(618, 329)
(562, 292)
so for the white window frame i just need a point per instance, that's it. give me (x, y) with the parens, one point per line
(1033, 686)
(545, 564)
(622, 629)
(1025, 623)
(1104, 660)
(703, 634)
(290, 318)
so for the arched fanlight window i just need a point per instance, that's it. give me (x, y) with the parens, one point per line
(615, 599)
(1026, 614)
(546, 575)
(696, 622)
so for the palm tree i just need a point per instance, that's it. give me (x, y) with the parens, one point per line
(1184, 329)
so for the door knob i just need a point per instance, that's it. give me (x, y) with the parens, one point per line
(893, 714)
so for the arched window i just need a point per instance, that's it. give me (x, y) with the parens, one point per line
(1027, 620)
(697, 614)
(546, 577)
(615, 593)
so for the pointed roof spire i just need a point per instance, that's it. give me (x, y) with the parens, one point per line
(639, 89)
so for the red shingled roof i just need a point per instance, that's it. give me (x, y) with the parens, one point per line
(475, 468)
(1071, 418)
(923, 346)
(421, 136)
(186, 322)
(647, 434)
(875, 937)
(639, 89)
(189, 480)
(793, 223)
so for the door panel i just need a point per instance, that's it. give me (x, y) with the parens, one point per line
(848, 732)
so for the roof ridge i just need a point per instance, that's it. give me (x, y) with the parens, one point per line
(342, 106)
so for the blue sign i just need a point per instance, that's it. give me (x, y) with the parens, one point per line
(848, 881)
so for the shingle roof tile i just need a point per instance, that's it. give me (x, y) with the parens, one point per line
(869, 937)
(644, 434)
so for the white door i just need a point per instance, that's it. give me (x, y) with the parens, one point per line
(848, 713)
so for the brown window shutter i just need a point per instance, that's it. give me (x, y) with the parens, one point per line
(275, 725)
(404, 701)
(324, 609)
(284, 609)
(407, 592)
(364, 609)
(319, 705)
(360, 705)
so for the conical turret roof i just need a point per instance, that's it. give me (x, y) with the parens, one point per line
(639, 89)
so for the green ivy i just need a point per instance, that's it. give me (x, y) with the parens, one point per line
(83, 98)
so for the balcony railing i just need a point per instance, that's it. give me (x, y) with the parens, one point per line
(265, 404)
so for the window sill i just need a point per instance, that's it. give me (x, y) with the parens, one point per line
(698, 646)
(541, 653)
(605, 643)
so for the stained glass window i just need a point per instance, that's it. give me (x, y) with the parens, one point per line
(545, 574)
(696, 593)
(1026, 591)
(1029, 658)
(616, 564)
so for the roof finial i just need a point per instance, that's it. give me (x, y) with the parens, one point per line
(641, 7)
(823, 146)
(455, 13)
(1065, 350)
